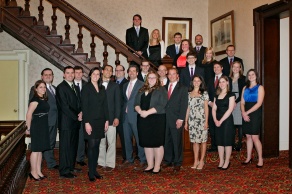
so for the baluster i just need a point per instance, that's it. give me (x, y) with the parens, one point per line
(26, 11)
(54, 21)
(92, 46)
(41, 15)
(80, 36)
(117, 62)
(12, 3)
(105, 54)
(67, 33)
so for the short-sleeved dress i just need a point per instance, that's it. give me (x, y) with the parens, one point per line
(197, 118)
(39, 129)
(250, 97)
(225, 134)
(151, 130)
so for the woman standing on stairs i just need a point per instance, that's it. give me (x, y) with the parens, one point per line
(196, 121)
(251, 109)
(38, 128)
(155, 48)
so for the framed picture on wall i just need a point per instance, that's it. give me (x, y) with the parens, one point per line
(171, 25)
(222, 32)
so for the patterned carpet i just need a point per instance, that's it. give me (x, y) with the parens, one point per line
(274, 177)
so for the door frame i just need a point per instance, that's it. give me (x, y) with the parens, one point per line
(22, 56)
(266, 20)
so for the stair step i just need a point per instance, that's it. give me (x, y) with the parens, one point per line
(28, 20)
(16, 11)
(82, 57)
(43, 30)
(68, 48)
(55, 39)
(90, 65)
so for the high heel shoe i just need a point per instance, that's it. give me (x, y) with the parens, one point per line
(259, 166)
(150, 170)
(226, 167)
(43, 177)
(32, 177)
(156, 172)
(246, 163)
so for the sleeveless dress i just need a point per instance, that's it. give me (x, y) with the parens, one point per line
(225, 134)
(250, 97)
(39, 129)
(197, 118)
(151, 130)
(155, 54)
(209, 71)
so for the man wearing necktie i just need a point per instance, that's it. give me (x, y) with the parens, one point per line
(144, 70)
(227, 61)
(47, 76)
(70, 117)
(173, 50)
(200, 49)
(78, 74)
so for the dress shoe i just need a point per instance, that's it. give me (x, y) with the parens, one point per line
(98, 176)
(176, 168)
(140, 166)
(55, 167)
(246, 163)
(226, 167)
(259, 166)
(108, 169)
(43, 177)
(68, 175)
(32, 177)
(76, 170)
(166, 165)
(91, 179)
(153, 172)
(150, 170)
(212, 150)
(82, 163)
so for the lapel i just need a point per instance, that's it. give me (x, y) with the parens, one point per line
(174, 91)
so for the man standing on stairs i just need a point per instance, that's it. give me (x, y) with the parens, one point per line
(137, 37)
(70, 117)
(107, 147)
(47, 76)
(78, 73)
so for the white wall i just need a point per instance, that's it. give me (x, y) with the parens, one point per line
(284, 84)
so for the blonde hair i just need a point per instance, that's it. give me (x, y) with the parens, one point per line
(213, 53)
(240, 71)
(151, 37)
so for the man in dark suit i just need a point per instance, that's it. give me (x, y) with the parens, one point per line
(70, 115)
(175, 115)
(173, 50)
(227, 61)
(187, 74)
(121, 80)
(78, 73)
(137, 37)
(200, 49)
(212, 85)
(144, 70)
(130, 90)
(162, 72)
(47, 76)
(107, 147)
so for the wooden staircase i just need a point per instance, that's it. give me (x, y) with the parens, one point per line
(47, 42)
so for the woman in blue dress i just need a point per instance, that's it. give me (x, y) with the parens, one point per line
(251, 109)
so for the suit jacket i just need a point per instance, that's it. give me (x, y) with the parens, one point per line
(114, 98)
(226, 65)
(53, 112)
(140, 77)
(83, 84)
(138, 43)
(170, 51)
(185, 75)
(241, 84)
(121, 84)
(129, 103)
(69, 106)
(158, 100)
(212, 90)
(177, 105)
(200, 55)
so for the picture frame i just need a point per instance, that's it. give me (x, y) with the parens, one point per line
(171, 25)
(222, 32)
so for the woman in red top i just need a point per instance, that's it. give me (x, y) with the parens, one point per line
(180, 61)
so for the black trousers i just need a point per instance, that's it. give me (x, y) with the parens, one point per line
(93, 153)
(68, 150)
(120, 131)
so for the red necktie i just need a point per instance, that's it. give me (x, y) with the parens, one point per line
(169, 91)
(216, 82)
(230, 62)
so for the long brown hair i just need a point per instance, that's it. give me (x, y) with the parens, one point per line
(219, 90)
(36, 85)
(147, 87)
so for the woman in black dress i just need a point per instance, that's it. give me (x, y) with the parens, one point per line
(223, 119)
(251, 109)
(150, 104)
(155, 49)
(95, 118)
(38, 128)
(208, 64)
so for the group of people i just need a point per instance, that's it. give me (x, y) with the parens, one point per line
(198, 94)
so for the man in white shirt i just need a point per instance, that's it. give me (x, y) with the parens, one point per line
(144, 70)
(173, 50)
(162, 72)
